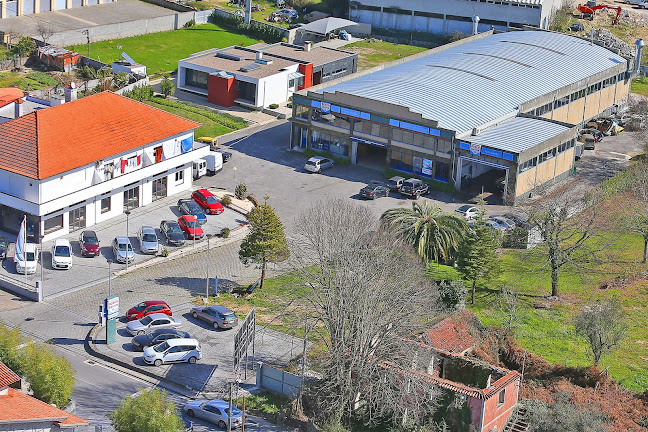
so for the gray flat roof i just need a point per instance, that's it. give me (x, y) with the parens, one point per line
(518, 134)
(473, 84)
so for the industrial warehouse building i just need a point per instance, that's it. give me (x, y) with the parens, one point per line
(447, 16)
(495, 110)
(12, 8)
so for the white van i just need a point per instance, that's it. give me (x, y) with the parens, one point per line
(214, 162)
(173, 351)
(199, 168)
(31, 260)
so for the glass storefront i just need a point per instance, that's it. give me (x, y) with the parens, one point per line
(131, 198)
(335, 144)
(10, 220)
(159, 188)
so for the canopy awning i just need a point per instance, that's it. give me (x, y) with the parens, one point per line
(325, 26)
(294, 75)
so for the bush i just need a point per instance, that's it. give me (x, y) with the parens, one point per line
(226, 200)
(241, 190)
(10, 338)
(266, 33)
(140, 93)
(225, 232)
(452, 295)
(165, 252)
(273, 106)
(224, 119)
(253, 200)
(190, 23)
(516, 239)
(50, 376)
(167, 86)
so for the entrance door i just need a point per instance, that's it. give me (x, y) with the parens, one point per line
(77, 218)
(317, 78)
(131, 198)
(159, 188)
(304, 136)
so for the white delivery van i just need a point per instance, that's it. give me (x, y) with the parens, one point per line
(28, 265)
(199, 168)
(214, 162)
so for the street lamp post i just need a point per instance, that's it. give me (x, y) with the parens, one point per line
(209, 236)
(127, 215)
(195, 218)
(40, 237)
(110, 275)
(234, 169)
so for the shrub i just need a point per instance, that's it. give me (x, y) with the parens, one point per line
(253, 200)
(452, 295)
(190, 23)
(241, 190)
(140, 93)
(273, 106)
(226, 200)
(224, 119)
(269, 34)
(516, 239)
(225, 232)
(165, 252)
(50, 376)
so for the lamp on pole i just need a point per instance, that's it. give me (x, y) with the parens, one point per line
(195, 218)
(234, 169)
(40, 238)
(110, 275)
(127, 215)
(209, 236)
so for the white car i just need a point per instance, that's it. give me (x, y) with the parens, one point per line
(28, 266)
(468, 212)
(318, 163)
(173, 351)
(61, 254)
(152, 322)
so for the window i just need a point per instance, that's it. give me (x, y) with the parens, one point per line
(301, 111)
(299, 81)
(196, 78)
(53, 224)
(179, 177)
(501, 397)
(441, 171)
(105, 205)
(444, 146)
(131, 198)
(159, 189)
(371, 128)
(525, 166)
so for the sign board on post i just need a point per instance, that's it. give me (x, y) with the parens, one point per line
(111, 309)
(242, 340)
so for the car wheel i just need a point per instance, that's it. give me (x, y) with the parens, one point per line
(192, 360)
(141, 332)
(416, 195)
(222, 424)
(157, 362)
(190, 413)
(194, 314)
(216, 325)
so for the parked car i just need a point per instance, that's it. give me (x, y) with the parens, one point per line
(374, 190)
(598, 135)
(468, 212)
(520, 221)
(61, 254)
(123, 250)
(190, 207)
(148, 240)
(218, 316)
(414, 187)
(173, 351)
(4, 246)
(208, 201)
(494, 225)
(226, 155)
(172, 232)
(215, 411)
(152, 322)
(28, 265)
(317, 164)
(147, 308)
(394, 184)
(213, 142)
(141, 342)
(89, 244)
(505, 223)
(577, 26)
(191, 227)
(589, 142)
(287, 14)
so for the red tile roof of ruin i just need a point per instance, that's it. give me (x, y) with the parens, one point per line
(453, 334)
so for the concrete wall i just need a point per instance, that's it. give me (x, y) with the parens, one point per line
(274, 88)
(277, 380)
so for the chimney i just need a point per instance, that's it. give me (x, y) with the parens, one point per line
(18, 109)
(259, 55)
(248, 11)
(70, 92)
(637, 61)
(307, 45)
(475, 21)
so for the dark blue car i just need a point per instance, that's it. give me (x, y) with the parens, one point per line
(189, 207)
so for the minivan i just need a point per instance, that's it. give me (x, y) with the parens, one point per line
(173, 351)
(28, 266)
(199, 168)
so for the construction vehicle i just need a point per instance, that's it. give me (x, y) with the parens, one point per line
(588, 12)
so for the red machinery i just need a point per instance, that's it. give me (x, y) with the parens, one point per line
(588, 12)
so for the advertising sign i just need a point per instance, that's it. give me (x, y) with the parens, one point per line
(112, 307)
(427, 167)
(475, 149)
(325, 107)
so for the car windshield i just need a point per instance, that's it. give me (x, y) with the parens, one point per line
(193, 224)
(149, 238)
(194, 208)
(311, 163)
(30, 256)
(211, 200)
(464, 208)
(408, 184)
(62, 251)
(235, 411)
(140, 307)
(3, 242)
(123, 246)
(146, 320)
(173, 229)
(90, 240)
(162, 347)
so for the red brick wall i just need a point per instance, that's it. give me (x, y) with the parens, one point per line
(307, 70)
(221, 91)
(496, 415)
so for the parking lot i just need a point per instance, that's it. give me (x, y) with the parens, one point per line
(215, 370)
(87, 271)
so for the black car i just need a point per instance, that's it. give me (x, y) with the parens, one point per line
(414, 187)
(373, 191)
(4, 245)
(226, 155)
(172, 232)
(141, 342)
(190, 207)
(394, 184)
(520, 221)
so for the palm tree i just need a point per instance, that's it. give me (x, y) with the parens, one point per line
(435, 235)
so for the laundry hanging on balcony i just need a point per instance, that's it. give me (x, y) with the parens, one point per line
(186, 145)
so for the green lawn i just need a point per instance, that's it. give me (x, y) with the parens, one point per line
(640, 86)
(372, 52)
(160, 52)
(33, 80)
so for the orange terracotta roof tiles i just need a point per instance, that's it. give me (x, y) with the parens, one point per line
(52, 141)
(9, 95)
(7, 376)
(18, 407)
(453, 334)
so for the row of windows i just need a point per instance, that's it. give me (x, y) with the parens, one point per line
(335, 72)
(503, 3)
(330, 143)
(549, 154)
(408, 162)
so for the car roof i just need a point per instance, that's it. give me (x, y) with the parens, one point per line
(181, 341)
(154, 302)
(148, 229)
(317, 158)
(61, 242)
(158, 315)
(89, 233)
(168, 222)
(205, 192)
(218, 403)
(412, 179)
(220, 308)
(30, 247)
(122, 239)
(190, 218)
(396, 178)
(466, 207)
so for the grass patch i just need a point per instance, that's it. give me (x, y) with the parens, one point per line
(265, 404)
(372, 52)
(34, 80)
(640, 86)
(160, 52)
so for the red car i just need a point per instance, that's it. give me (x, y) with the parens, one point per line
(208, 201)
(190, 225)
(89, 244)
(148, 308)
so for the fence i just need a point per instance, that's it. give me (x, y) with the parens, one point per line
(277, 380)
(21, 288)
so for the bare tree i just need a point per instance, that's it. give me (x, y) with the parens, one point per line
(367, 290)
(13, 36)
(508, 307)
(565, 229)
(602, 323)
(45, 31)
(637, 205)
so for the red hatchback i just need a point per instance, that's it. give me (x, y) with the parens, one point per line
(148, 308)
(190, 225)
(208, 201)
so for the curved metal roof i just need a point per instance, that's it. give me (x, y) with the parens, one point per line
(475, 83)
(518, 134)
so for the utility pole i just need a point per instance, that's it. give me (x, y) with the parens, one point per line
(87, 33)
(303, 369)
(127, 239)
(229, 414)
(209, 236)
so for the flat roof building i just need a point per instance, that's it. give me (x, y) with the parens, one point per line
(495, 110)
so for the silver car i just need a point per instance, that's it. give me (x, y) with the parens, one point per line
(218, 316)
(152, 322)
(148, 240)
(123, 250)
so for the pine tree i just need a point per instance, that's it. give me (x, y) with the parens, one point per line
(266, 241)
(477, 257)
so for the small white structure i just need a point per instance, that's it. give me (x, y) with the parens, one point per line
(128, 65)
